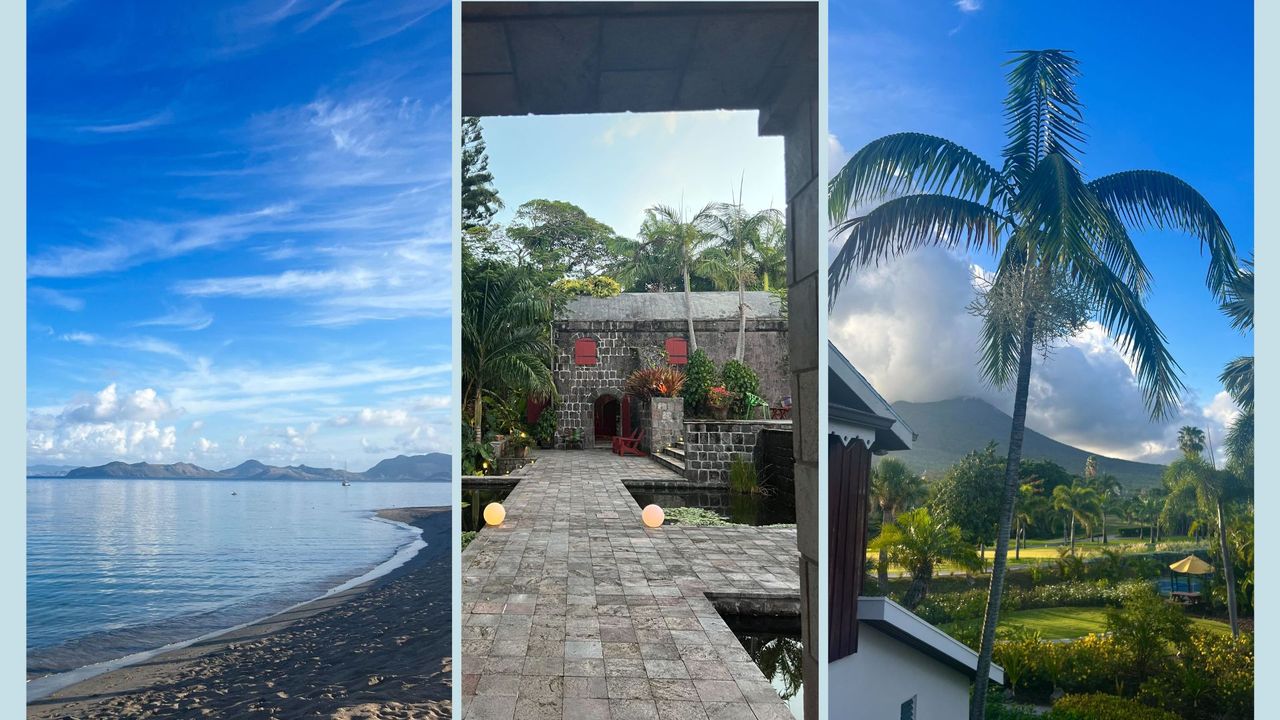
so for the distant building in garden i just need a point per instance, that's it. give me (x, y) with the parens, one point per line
(600, 341)
(884, 660)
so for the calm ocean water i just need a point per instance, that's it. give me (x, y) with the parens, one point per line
(116, 567)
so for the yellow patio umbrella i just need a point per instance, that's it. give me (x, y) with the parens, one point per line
(1190, 565)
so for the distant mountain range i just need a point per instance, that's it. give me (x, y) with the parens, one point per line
(432, 467)
(949, 429)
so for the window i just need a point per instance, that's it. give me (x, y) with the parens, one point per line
(584, 351)
(908, 709)
(677, 351)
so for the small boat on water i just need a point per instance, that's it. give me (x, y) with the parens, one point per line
(233, 492)
(346, 483)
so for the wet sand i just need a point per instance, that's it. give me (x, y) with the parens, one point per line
(378, 651)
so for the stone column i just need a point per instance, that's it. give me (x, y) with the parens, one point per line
(795, 116)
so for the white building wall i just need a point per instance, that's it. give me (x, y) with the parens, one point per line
(873, 683)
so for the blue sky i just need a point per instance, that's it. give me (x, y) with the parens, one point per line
(616, 165)
(238, 231)
(1166, 88)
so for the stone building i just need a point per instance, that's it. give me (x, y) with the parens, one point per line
(600, 341)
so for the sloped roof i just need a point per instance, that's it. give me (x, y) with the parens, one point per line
(852, 400)
(898, 622)
(670, 306)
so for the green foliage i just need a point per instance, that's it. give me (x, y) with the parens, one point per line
(742, 477)
(600, 286)
(1098, 706)
(467, 537)
(544, 430)
(952, 607)
(560, 239)
(1148, 626)
(695, 517)
(661, 382)
(1213, 679)
(476, 456)
(480, 199)
(700, 377)
(918, 542)
(969, 495)
(740, 380)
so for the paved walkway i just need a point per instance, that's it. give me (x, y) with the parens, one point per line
(573, 609)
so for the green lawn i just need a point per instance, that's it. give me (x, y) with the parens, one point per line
(1073, 622)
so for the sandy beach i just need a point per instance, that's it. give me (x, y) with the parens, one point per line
(377, 651)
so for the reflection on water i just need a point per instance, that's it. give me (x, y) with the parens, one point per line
(474, 501)
(774, 645)
(116, 566)
(778, 508)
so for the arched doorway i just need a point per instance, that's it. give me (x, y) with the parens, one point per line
(607, 414)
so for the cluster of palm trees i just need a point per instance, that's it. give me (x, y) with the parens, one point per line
(1061, 241)
(725, 244)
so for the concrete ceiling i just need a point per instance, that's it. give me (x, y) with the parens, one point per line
(548, 58)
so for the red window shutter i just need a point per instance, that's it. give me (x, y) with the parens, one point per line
(677, 351)
(584, 351)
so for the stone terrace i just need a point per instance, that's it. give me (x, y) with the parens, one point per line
(573, 609)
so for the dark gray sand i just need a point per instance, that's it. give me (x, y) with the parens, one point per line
(376, 651)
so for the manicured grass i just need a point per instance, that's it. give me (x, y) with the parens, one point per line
(1073, 622)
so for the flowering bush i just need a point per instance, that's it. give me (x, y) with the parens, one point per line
(719, 397)
(1214, 679)
(655, 382)
(1104, 707)
(598, 286)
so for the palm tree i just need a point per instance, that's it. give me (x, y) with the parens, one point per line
(1062, 242)
(771, 252)
(894, 488)
(919, 543)
(1191, 441)
(1109, 492)
(689, 235)
(1080, 502)
(504, 338)
(1213, 489)
(1031, 503)
(733, 262)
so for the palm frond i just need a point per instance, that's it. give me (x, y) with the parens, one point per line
(1043, 114)
(907, 223)
(1152, 199)
(1061, 216)
(911, 163)
(1239, 303)
(1237, 380)
(1136, 334)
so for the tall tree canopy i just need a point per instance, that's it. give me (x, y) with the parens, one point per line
(560, 239)
(480, 201)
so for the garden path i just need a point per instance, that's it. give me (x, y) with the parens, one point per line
(573, 609)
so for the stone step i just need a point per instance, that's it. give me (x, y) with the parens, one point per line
(679, 445)
(675, 451)
(670, 463)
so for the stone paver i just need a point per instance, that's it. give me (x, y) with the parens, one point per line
(573, 609)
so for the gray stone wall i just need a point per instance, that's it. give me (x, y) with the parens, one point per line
(624, 346)
(711, 445)
(775, 458)
(663, 422)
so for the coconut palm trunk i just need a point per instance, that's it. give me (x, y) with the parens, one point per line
(739, 354)
(995, 595)
(478, 413)
(688, 305)
(882, 567)
(1228, 571)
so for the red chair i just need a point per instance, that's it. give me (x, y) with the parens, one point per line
(629, 445)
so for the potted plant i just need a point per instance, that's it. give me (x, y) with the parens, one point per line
(519, 441)
(719, 399)
(544, 430)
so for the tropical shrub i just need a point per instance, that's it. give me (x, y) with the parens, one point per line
(476, 456)
(597, 286)
(742, 381)
(967, 605)
(467, 537)
(1148, 626)
(544, 430)
(1213, 679)
(655, 382)
(1099, 706)
(700, 376)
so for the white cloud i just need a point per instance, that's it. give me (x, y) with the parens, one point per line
(905, 326)
(969, 6)
(106, 425)
(192, 317)
(56, 298)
